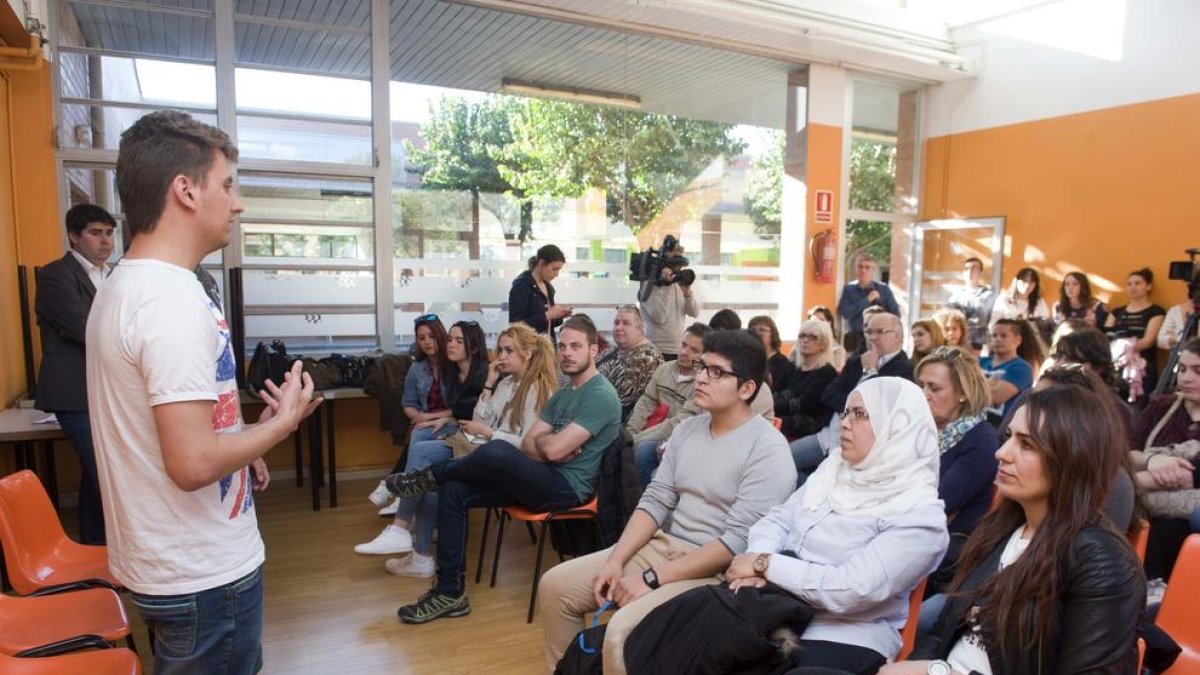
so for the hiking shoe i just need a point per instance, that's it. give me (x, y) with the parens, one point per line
(391, 509)
(391, 541)
(434, 605)
(380, 495)
(415, 565)
(412, 483)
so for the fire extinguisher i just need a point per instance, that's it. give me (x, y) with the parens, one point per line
(824, 254)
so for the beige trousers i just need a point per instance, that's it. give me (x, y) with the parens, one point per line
(565, 596)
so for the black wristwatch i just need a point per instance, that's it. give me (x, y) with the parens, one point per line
(651, 578)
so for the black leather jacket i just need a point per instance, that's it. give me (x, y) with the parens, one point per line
(1098, 613)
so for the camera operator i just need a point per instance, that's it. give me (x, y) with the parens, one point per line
(1171, 332)
(668, 300)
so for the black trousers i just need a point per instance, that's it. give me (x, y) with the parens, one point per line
(818, 657)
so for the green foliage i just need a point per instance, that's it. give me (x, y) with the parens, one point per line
(872, 175)
(553, 150)
(763, 197)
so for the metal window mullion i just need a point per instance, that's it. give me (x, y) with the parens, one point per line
(153, 9)
(381, 132)
(308, 169)
(124, 54)
(299, 25)
(305, 222)
(137, 105)
(304, 117)
(223, 40)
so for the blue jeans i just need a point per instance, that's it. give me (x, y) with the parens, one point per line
(214, 631)
(78, 428)
(425, 507)
(645, 455)
(1195, 520)
(931, 609)
(496, 474)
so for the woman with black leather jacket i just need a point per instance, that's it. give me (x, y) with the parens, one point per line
(1046, 585)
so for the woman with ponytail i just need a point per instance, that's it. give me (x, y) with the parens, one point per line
(531, 298)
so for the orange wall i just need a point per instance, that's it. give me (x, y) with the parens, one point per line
(1105, 192)
(12, 369)
(824, 172)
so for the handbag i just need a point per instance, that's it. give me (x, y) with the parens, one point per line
(460, 445)
(267, 363)
(583, 655)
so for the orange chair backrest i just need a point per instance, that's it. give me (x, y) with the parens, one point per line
(777, 422)
(29, 527)
(1177, 615)
(908, 635)
(1140, 538)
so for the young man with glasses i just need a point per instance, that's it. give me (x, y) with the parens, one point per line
(554, 468)
(722, 470)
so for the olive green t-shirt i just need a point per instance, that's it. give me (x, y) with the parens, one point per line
(595, 407)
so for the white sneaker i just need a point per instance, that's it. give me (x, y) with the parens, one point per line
(391, 509)
(415, 565)
(380, 495)
(391, 541)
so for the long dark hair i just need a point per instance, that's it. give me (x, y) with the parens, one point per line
(1087, 346)
(440, 336)
(1085, 292)
(1075, 432)
(475, 345)
(1035, 294)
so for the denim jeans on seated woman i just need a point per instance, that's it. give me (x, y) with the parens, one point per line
(424, 508)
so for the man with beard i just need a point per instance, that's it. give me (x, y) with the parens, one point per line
(555, 468)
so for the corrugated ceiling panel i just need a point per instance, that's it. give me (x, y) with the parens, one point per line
(145, 31)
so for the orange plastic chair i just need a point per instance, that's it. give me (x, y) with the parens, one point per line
(777, 422)
(99, 662)
(37, 553)
(54, 624)
(1177, 613)
(583, 512)
(1140, 538)
(908, 634)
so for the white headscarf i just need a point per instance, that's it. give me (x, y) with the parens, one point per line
(899, 473)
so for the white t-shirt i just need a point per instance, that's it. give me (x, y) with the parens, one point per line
(154, 337)
(968, 653)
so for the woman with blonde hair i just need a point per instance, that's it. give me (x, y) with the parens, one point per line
(926, 336)
(954, 329)
(799, 405)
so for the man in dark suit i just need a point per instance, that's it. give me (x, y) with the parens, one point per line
(65, 289)
(883, 357)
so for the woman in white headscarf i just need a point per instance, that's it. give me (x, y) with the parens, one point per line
(860, 534)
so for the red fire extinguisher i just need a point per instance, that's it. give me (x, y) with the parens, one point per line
(824, 254)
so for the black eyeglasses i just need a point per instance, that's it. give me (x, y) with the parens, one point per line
(427, 318)
(716, 372)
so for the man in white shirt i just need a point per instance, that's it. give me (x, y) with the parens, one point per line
(177, 466)
(65, 288)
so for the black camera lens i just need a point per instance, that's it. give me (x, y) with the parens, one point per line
(685, 277)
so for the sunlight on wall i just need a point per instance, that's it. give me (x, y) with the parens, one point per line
(1093, 28)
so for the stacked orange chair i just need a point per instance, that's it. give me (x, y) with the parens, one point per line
(908, 634)
(102, 662)
(1177, 615)
(55, 624)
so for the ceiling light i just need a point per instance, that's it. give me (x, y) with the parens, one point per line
(576, 94)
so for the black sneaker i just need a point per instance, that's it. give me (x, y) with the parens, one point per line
(411, 483)
(434, 605)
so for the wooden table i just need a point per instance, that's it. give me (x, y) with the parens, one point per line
(17, 428)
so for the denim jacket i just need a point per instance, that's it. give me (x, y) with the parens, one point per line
(416, 386)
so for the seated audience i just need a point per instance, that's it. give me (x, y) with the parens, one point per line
(856, 538)
(955, 331)
(926, 336)
(554, 468)
(424, 395)
(1008, 374)
(957, 394)
(779, 368)
(1088, 347)
(671, 391)
(1138, 322)
(1076, 302)
(884, 356)
(722, 470)
(1022, 300)
(1045, 584)
(725, 319)
(462, 380)
(800, 406)
(1167, 454)
(822, 313)
(517, 385)
(1176, 320)
(629, 363)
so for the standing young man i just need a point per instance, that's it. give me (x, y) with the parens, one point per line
(176, 464)
(860, 294)
(722, 471)
(974, 299)
(65, 289)
(555, 468)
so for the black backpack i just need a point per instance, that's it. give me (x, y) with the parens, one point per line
(267, 363)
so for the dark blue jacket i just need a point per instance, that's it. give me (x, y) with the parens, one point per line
(967, 475)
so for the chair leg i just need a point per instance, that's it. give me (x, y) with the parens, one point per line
(501, 516)
(487, 519)
(532, 537)
(537, 570)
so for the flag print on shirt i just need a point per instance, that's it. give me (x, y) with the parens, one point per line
(244, 499)
(227, 418)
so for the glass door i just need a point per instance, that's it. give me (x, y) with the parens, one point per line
(939, 248)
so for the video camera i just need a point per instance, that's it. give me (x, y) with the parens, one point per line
(649, 264)
(1187, 270)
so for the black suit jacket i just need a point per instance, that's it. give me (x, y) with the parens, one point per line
(838, 391)
(63, 300)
